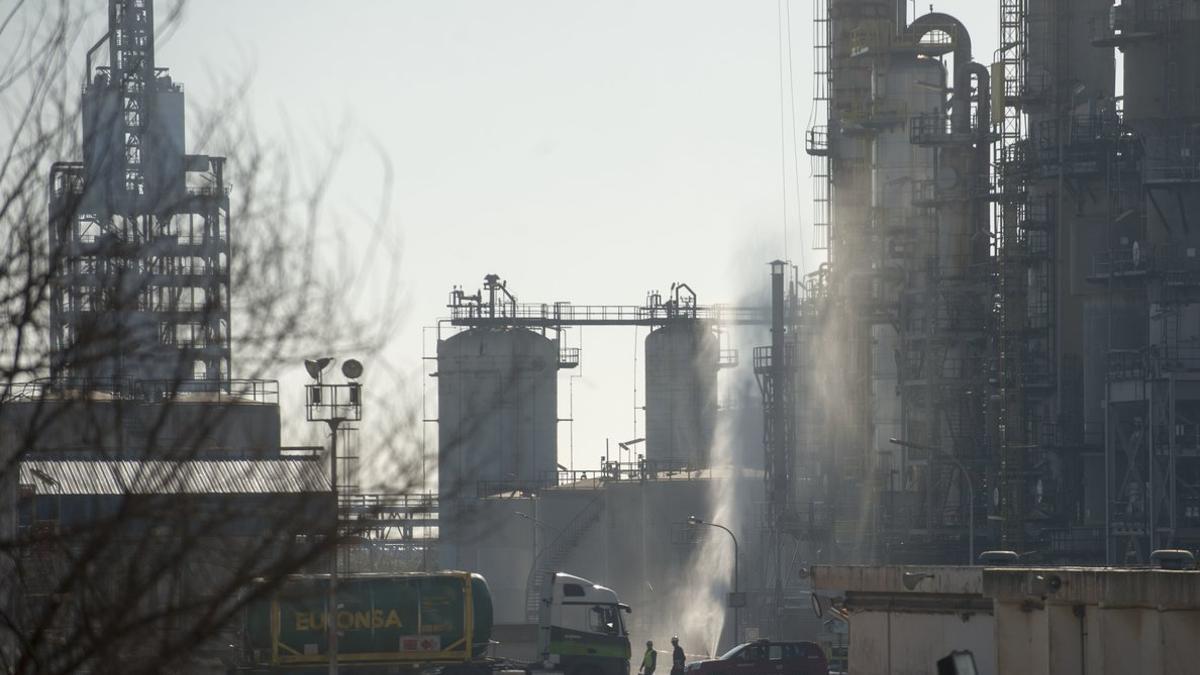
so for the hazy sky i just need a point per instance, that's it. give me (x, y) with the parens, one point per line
(585, 151)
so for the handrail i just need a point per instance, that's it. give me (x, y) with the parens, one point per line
(232, 391)
(562, 314)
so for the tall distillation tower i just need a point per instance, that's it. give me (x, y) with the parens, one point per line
(902, 325)
(139, 230)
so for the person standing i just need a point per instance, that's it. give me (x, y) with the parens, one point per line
(677, 657)
(649, 659)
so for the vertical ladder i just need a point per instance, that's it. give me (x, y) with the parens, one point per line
(818, 137)
(131, 49)
(1011, 313)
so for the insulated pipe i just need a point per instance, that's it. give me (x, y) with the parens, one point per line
(982, 153)
(87, 72)
(983, 82)
(960, 112)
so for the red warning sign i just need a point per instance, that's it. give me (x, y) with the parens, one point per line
(420, 643)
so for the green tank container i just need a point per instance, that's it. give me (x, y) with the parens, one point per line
(420, 618)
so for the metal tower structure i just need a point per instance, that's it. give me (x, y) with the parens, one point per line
(1009, 334)
(1152, 281)
(131, 55)
(774, 368)
(139, 230)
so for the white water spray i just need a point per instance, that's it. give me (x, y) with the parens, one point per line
(701, 600)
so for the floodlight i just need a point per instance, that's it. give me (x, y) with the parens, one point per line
(316, 366)
(352, 369)
(693, 520)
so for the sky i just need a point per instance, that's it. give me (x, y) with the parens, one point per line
(584, 151)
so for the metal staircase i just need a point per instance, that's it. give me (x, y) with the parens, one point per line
(554, 554)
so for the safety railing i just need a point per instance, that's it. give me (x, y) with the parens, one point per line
(623, 472)
(816, 141)
(208, 190)
(928, 193)
(502, 489)
(1126, 364)
(727, 358)
(1173, 263)
(1128, 23)
(571, 314)
(763, 358)
(937, 129)
(568, 357)
(1152, 362)
(1119, 262)
(233, 391)
(1174, 159)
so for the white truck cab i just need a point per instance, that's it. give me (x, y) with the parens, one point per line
(581, 628)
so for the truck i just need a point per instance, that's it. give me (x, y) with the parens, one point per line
(581, 628)
(435, 621)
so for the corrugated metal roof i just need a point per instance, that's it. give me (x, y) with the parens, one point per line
(117, 477)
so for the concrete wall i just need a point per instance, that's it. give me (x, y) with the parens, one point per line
(1030, 621)
(1066, 621)
(899, 630)
(904, 642)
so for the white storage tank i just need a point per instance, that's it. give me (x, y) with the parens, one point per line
(681, 392)
(497, 411)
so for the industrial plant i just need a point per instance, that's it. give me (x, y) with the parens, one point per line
(1008, 262)
(980, 405)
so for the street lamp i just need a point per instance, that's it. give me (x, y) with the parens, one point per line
(333, 404)
(627, 446)
(736, 601)
(970, 491)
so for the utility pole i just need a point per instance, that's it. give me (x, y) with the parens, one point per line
(333, 404)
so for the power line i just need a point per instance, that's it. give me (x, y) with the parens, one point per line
(795, 138)
(782, 132)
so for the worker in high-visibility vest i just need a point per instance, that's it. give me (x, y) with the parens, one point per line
(649, 659)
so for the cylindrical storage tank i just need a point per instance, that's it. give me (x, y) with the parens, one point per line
(681, 393)
(497, 412)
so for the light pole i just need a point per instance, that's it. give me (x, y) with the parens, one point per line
(627, 446)
(736, 604)
(970, 491)
(333, 404)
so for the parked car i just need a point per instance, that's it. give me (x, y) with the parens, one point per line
(766, 657)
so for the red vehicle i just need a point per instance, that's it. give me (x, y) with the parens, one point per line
(764, 657)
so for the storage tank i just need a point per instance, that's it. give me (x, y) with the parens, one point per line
(497, 411)
(382, 620)
(681, 392)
